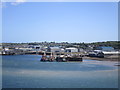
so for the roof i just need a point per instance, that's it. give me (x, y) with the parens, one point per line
(105, 48)
(71, 48)
(54, 47)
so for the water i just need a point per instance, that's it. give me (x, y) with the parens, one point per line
(26, 71)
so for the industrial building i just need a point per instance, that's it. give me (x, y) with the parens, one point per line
(55, 49)
(104, 48)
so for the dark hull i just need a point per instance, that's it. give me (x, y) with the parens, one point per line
(93, 55)
(74, 59)
(61, 59)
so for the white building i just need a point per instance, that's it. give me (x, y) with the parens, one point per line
(26, 49)
(72, 49)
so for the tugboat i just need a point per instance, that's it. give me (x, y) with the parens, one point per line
(43, 59)
(61, 58)
(47, 58)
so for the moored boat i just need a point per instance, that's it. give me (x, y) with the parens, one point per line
(60, 58)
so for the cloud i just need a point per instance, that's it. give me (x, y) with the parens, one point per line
(18, 2)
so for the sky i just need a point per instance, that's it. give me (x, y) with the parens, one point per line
(60, 22)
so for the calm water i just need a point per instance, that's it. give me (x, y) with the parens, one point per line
(26, 71)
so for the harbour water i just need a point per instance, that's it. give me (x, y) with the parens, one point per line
(26, 71)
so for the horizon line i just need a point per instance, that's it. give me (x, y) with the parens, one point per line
(60, 42)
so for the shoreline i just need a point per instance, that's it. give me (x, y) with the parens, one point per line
(102, 59)
(110, 58)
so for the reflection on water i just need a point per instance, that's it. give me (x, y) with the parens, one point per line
(26, 71)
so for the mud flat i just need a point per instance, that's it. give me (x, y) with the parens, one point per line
(106, 58)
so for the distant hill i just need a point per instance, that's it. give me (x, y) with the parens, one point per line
(114, 44)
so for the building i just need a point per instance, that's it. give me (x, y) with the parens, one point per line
(71, 49)
(80, 50)
(107, 50)
(103, 48)
(55, 49)
(44, 48)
